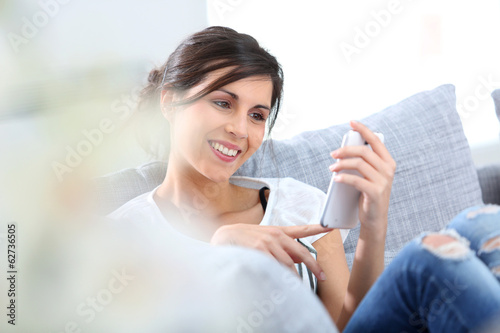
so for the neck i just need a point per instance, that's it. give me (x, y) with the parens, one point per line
(189, 190)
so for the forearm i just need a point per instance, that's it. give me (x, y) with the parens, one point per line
(331, 257)
(367, 266)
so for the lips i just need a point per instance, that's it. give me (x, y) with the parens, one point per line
(225, 150)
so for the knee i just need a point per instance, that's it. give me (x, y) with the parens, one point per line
(478, 211)
(475, 222)
(489, 244)
(446, 244)
(476, 214)
(449, 245)
(492, 245)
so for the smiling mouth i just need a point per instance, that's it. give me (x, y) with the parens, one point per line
(224, 150)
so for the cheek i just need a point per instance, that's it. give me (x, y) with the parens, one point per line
(192, 126)
(187, 128)
(255, 140)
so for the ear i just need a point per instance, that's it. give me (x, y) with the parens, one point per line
(167, 97)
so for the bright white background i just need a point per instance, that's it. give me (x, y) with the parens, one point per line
(90, 56)
(398, 48)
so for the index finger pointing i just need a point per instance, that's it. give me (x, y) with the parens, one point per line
(299, 231)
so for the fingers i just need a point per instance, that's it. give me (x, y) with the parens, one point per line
(363, 160)
(373, 140)
(299, 253)
(376, 166)
(366, 169)
(372, 189)
(282, 256)
(312, 264)
(300, 231)
(288, 251)
(378, 157)
(373, 182)
(278, 242)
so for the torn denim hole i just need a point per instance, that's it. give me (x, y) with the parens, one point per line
(487, 209)
(496, 271)
(490, 244)
(455, 249)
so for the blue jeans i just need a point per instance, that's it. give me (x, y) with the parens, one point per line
(450, 288)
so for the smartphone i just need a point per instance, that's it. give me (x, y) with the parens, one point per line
(341, 206)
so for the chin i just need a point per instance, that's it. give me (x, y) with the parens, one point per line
(220, 178)
(217, 175)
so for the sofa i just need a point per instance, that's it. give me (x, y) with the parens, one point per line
(435, 178)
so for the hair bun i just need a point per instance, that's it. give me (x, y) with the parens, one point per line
(155, 76)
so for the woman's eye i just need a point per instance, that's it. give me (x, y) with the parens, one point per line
(223, 104)
(257, 116)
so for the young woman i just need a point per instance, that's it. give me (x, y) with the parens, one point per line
(219, 92)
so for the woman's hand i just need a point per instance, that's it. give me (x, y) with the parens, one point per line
(279, 242)
(377, 167)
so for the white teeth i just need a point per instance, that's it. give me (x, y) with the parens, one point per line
(224, 150)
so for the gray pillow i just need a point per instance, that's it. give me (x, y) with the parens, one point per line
(489, 179)
(496, 99)
(435, 178)
(489, 175)
(113, 190)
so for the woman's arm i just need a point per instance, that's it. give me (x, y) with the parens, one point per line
(341, 292)
(378, 168)
(368, 264)
(331, 258)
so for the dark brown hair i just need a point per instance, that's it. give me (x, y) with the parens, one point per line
(206, 51)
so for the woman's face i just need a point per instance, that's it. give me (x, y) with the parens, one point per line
(216, 134)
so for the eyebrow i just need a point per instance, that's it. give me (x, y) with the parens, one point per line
(233, 95)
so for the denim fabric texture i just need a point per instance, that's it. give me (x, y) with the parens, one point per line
(423, 291)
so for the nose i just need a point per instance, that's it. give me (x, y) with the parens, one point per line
(237, 125)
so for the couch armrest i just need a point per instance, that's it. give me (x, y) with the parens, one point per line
(489, 179)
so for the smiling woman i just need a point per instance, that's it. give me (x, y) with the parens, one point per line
(227, 126)
(217, 91)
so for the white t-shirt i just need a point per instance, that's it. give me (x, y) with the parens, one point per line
(290, 203)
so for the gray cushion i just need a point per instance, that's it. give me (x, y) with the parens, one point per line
(435, 177)
(113, 190)
(489, 178)
(489, 175)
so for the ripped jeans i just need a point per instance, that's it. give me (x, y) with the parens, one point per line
(452, 285)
